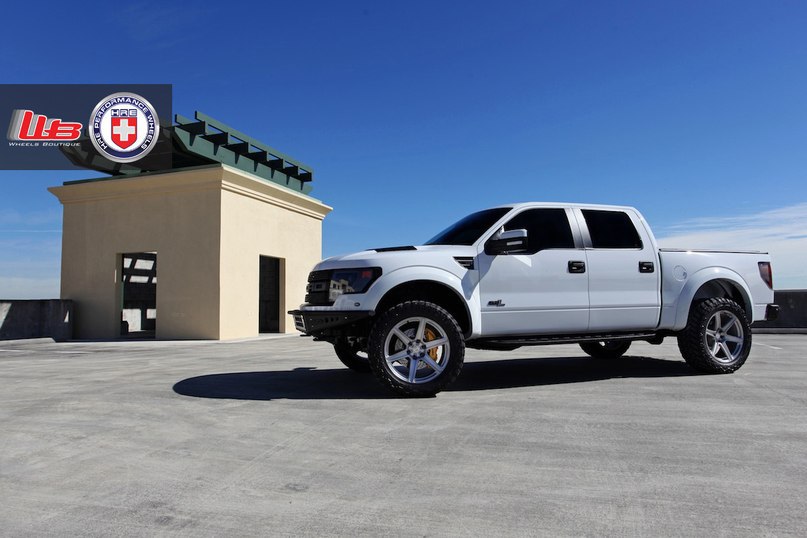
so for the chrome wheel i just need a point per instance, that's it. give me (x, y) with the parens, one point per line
(417, 350)
(717, 337)
(724, 337)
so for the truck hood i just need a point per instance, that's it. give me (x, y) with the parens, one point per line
(390, 258)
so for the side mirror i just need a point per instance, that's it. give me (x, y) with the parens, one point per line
(509, 242)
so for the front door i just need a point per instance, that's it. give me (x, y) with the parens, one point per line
(542, 290)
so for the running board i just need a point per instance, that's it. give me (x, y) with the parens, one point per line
(559, 339)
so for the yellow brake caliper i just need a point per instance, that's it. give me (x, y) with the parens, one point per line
(429, 335)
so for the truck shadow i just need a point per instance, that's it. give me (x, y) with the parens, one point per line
(341, 383)
(514, 373)
(297, 384)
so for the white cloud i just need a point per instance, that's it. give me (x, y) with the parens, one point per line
(29, 288)
(782, 232)
(14, 218)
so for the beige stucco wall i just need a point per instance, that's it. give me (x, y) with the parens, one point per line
(208, 226)
(263, 219)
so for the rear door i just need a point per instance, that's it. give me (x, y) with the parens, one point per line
(623, 271)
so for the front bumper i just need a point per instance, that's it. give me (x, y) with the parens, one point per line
(315, 321)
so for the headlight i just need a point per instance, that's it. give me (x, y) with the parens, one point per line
(325, 286)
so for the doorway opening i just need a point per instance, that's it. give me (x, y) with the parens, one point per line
(269, 295)
(139, 301)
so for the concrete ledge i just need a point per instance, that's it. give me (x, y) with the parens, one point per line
(46, 318)
(53, 318)
(792, 313)
(779, 330)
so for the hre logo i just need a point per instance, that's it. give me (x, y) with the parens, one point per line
(26, 126)
(124, 127)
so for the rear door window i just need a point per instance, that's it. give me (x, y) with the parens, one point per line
(611, 229)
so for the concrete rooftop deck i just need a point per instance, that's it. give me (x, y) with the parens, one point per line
(274, 437)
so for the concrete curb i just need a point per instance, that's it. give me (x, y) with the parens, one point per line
(27, 341)
(779, 330)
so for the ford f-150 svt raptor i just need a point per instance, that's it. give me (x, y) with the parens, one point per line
(528, 274)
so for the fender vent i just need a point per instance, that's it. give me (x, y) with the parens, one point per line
(465, 261)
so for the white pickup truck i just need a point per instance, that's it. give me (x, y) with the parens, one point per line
(530, 274)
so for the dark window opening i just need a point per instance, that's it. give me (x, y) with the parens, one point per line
(139, 301)
(611, 229)
(546, 228)
(269, 295)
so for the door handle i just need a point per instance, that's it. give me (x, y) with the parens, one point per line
(646, 267)
(577, 267)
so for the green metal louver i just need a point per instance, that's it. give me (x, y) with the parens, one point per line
(219, 142)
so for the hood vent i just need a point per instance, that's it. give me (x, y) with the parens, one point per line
(393, 249)
(465, 261)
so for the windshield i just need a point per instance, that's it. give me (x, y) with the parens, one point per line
(469, 229)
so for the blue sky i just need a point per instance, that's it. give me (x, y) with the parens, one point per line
(413, 114)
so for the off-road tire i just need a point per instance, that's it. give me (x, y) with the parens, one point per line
(348, 352)
(606, 349)
(697, 341)
(383, 341)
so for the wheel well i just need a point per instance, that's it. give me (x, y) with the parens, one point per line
(723, 288)
(434, 292)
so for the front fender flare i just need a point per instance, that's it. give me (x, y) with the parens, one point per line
(465, 288)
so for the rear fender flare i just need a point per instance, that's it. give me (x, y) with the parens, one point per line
(698, 280)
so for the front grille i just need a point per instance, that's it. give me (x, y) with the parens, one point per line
(319, 287)
(319, 275)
